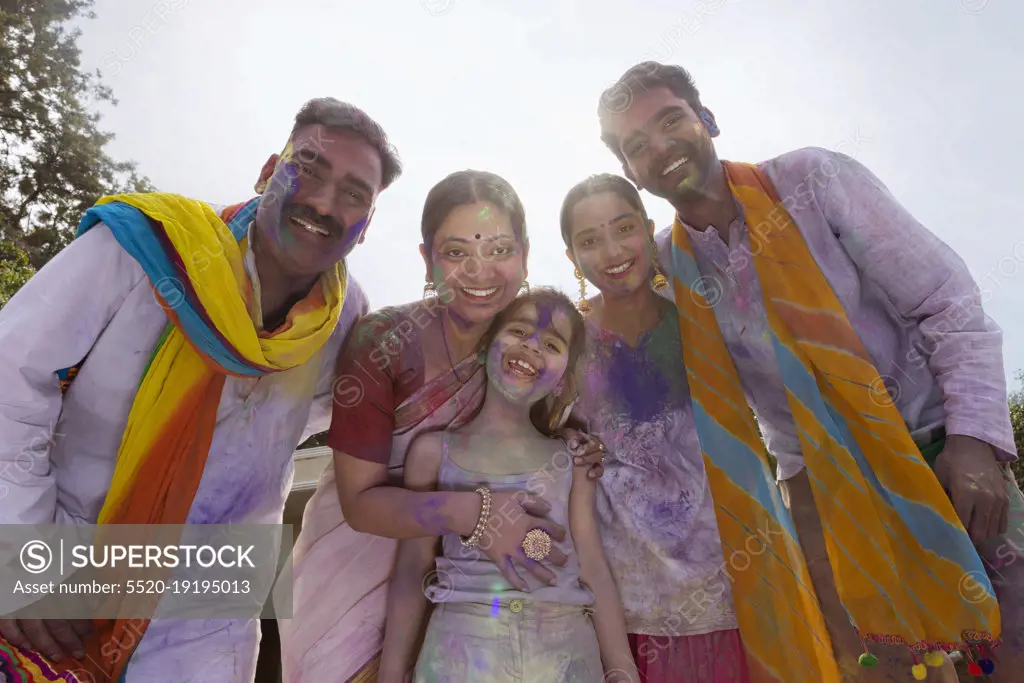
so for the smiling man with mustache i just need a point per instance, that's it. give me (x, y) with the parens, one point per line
(241, 312)
(858, 338)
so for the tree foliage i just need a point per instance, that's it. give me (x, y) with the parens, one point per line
(52, 160)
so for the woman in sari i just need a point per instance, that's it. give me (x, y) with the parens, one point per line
(407, 370)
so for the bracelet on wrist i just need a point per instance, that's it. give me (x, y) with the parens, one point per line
(481, 523)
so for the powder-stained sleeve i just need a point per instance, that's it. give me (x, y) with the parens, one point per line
(51, 324)
(930, 285)
(365, 388)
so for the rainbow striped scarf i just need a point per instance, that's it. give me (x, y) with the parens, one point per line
(897, 548)
(194, 261)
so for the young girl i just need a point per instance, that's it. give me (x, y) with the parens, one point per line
(482, 629)
(657, 517)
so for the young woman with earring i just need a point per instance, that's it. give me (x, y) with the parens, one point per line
(406, 370)
(657, 518)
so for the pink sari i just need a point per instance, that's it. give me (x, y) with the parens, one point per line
(341, 576)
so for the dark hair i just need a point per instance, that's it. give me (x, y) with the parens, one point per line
(469, 187)
(332, 113)
(596, 184)
(555, 300)
(646, 76)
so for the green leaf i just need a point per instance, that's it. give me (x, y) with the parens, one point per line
(53, 163)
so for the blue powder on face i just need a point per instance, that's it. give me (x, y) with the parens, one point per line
(544, 314)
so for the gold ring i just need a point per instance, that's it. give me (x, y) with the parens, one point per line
(537, 544)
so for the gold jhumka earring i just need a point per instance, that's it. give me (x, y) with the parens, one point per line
(429, 290)
(525, 288)
(583, 306)
(659, 281)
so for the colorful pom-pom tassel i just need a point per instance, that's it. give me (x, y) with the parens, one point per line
(920, 671)
(973, 669)
(987, 666)
(934, 659)
(867, 660)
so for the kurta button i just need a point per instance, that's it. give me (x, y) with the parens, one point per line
(516, 606)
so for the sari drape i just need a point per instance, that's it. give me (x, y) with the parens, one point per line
(341, 575)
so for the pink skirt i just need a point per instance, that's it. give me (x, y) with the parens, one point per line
(716, 657)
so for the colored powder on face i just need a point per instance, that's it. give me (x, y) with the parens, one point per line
(495, 373)
(352, 235)
(544, 316)
(284, 185)
(437, 274)
(543, 324)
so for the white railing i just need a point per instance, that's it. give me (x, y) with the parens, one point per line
(309, 464)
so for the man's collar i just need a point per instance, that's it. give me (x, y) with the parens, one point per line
(249, 263)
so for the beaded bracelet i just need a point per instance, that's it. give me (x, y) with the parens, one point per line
(481, 524)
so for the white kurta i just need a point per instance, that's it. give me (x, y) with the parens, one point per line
(57, 454)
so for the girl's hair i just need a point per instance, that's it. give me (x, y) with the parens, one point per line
(596, 184)
(469, 187)
(554, 300)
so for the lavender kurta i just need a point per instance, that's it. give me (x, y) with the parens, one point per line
(918, 312)
(57, 453)
(658, 524)
(911, 299)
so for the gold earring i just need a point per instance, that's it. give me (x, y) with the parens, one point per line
(429, 290)
(659, 281)
(261, 187)
(583, 306)
(525, 286)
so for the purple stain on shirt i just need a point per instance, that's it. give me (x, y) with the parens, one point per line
(637, 378)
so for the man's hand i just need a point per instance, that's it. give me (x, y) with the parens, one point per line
(967, 468)
(587, 450)
(57, 639)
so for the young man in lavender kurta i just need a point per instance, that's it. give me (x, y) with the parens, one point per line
(93, 307)
(910, 298)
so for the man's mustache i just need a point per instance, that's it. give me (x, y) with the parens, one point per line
(328, 223)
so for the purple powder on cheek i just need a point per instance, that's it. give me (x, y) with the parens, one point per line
(284, 185)
(352, 235)
(494, 357)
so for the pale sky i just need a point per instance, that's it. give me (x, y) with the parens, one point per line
(926, 93)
